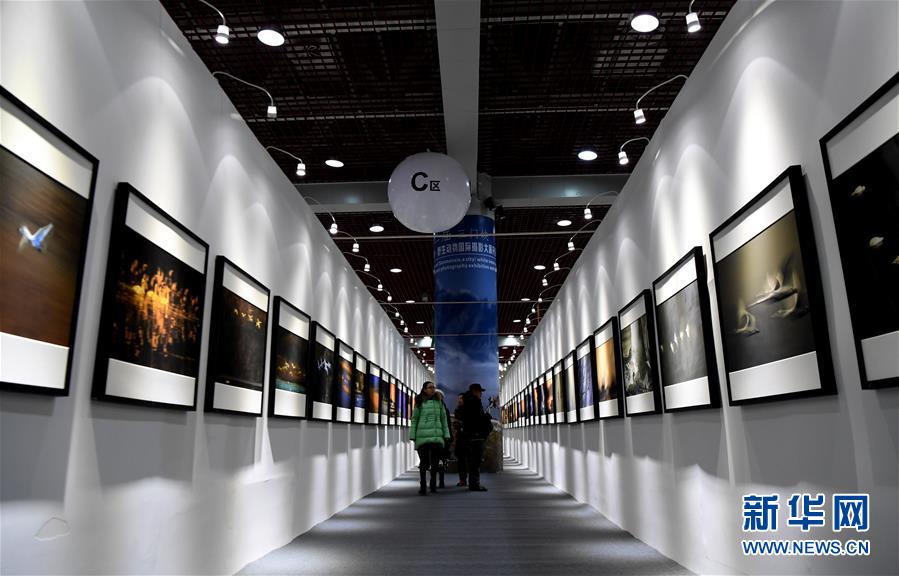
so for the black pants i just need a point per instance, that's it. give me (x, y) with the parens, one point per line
(475, 455)
(429, 456)
(462, 459)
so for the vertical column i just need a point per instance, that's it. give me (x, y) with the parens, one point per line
(465, 342)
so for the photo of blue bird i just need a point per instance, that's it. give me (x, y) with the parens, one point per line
(36, 240)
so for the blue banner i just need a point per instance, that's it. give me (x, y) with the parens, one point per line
(466, 341)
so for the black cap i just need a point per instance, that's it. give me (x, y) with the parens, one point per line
(475, 387)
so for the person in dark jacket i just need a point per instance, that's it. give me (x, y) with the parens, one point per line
(430, 431)
(445, 452)
(476, 426)
(460, 443)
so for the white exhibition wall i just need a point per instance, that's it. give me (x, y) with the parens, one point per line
(93, 487)
(777, 76)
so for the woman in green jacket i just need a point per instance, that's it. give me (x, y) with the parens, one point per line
(430, 431)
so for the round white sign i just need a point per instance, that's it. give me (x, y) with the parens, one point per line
(429, 192)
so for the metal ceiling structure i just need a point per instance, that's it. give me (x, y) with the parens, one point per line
(361, 81)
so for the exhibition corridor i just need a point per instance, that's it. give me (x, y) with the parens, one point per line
(522, 526)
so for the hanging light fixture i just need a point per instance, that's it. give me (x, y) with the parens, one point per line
(301, 166)
(622, 155)
(544, 282)
(588, 214)
(571, 245)
(355, 247)
(272, 110)
(693, 24)
(396, 314)
(367, 267)
(333, 228)
(380, 287)
(556, 266)
(389, 298)
(639, 116)
(222, 33)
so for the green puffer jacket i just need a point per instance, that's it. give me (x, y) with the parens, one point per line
(429, 424)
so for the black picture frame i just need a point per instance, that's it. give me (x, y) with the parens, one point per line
(320, 404)
(373, 390)
(615, 337)
(384, 411)
(856, 249)
(108, 315)
(548, 396)
(569, 381)
(88, 159)
(590, 411)
(337, 384)
(651, 355)
(696, 256)
(559, 391)
(274, 350)
(216, 336)
(808, 257)
(363, 374)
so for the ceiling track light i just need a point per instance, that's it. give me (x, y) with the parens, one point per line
(301, 166)
(556, 267)
(355, 247)
(272, 110)
(222, 33)
(639, 116)
(588, 214)
(622, 155)
(571, 246)
(693, 24)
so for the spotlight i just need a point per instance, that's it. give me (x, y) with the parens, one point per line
(587, 155)
(389, 298)
(588, 214)
(533, 310)
(356, 247)
(527, 321)
(222, 34)
(693, 24)
(570, 246)
(639, 116)
(644, 23)
(556, 264)
(622, 158)
(396, 314)
(544, 282)
(271, 111)
(301, 169)
(380, 287)
(406, 330)
(540, 299)
(402, 322)
(333, 228)
(367, 267)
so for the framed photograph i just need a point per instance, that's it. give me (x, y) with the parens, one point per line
(235, 375)
(289, 362)
(569, 377)
(373, 387)
(549, 396)
(46, 195)
(407, 403)
(586, 381)
(342, 391)
(861, 162)
(385, 397)
(148, 349)
(684, 335)
(323, 366)
(559, 393)
(770, 302)
(360, 388)
(607, 356)
(523, 409)
(638, 357)
(391, 401)
(535, 398)
(529, 403)
(541, 400)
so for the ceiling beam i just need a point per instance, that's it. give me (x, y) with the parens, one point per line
(459, 49)
(509, 191)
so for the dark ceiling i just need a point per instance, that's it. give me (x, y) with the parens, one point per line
(360, 82)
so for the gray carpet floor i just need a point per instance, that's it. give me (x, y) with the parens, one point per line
(522, 526)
